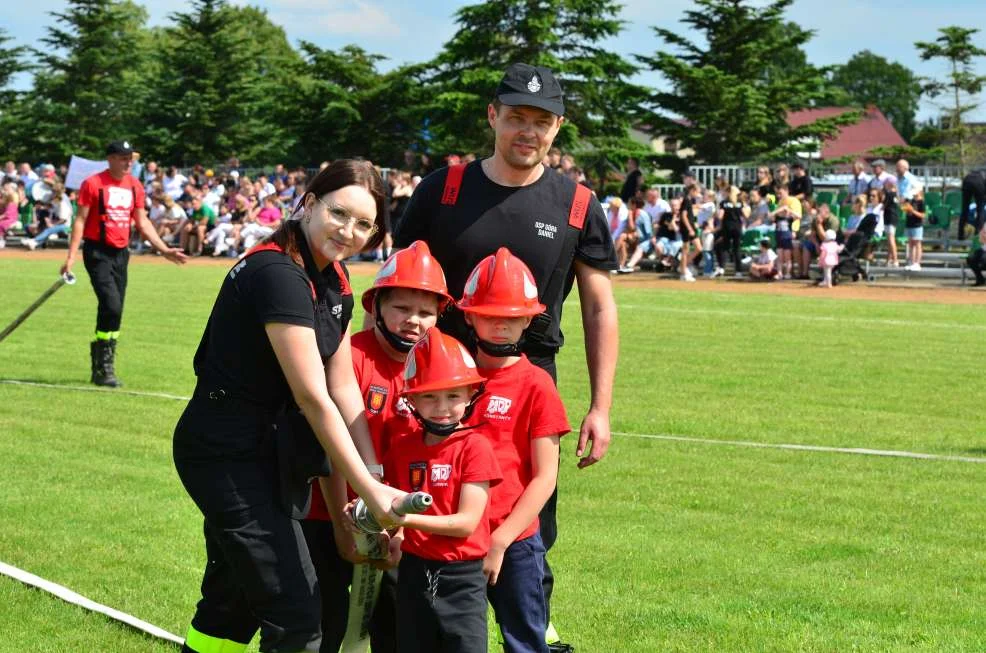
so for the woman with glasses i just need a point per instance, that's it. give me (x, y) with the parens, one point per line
(278, 340)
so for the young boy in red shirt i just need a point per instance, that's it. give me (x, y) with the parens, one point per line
(441, 588)
(525, 418)
(405, 300)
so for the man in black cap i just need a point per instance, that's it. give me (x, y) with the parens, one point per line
(551, 223)
(109, 203)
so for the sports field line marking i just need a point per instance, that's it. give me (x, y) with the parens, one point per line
(889, 453)
(650, 436)
(803, 318)
(85, 388)
(74, 598)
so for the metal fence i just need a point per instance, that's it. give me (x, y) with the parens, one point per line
(943, 177)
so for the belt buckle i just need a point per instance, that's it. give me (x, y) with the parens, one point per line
(216, 395)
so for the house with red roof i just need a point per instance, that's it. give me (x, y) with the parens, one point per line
(860, 139)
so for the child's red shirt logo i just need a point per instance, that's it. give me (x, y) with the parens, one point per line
(417, 475)
(440, 475)
(376, 399)
(498, 407)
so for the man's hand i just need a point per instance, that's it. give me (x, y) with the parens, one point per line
(175, 255)
(595, 428)
(67, 266)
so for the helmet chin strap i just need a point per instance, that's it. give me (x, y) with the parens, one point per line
(495, 350)
(399, 344)
(444, 430)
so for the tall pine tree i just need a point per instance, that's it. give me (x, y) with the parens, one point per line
(731, 91)
(11, 63)
(568, 37)
(90, 83)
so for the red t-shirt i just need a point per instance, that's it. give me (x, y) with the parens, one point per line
(520, 404)
(122, 198)
(380, 381)
(441, 469)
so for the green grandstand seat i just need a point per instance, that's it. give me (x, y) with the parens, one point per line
(843, 194)
(824, 197)
(939, 218)
(932, 199)
(845, 211)
(953, 199)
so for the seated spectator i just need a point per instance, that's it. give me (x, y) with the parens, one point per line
(668, 236)
(265, 221)
(199, 222)
(58, 218)
(174, 183)
(874, 206)
(857, 215)
(616, 215)
(654, 205)
(764, 265)
(822, 221)
(9, 214)
(914, 215)
(759, 217)
(637, 233)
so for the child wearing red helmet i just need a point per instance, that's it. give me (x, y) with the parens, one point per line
(441, 598)
(406, 298)
(526, 419)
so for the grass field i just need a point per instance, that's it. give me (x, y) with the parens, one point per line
(665, 546)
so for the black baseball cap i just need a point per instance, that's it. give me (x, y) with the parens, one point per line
(119, 147)
(533, 86)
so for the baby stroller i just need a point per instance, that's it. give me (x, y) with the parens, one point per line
(849, 260)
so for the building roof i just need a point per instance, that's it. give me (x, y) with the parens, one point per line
(873, 130)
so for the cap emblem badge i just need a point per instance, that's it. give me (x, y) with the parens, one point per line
(535, 84)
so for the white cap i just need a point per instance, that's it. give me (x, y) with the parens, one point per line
(829, 234)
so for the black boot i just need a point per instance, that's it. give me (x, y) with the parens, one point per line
(104, 375)
(95, 360)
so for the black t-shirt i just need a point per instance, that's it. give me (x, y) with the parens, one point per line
(631, 185)
(732, 216)
(913, 222)
(531, 221)
(687, 213)
(891, 209)
(801, 185)
(235, 353)
(666, 227)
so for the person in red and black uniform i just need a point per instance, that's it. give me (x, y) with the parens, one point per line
(278, 338)
(512, 200)
(109, 203)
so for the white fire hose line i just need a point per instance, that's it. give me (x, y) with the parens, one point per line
(77, 599)
(85, 388)
(889, 453)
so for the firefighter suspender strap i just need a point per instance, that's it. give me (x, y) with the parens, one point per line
(577, 213)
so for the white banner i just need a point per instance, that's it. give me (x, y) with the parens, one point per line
(79, 169)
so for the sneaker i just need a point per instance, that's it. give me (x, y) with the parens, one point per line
(718, 272)
(893, 264)
(688, 276)
(3, 243)
(626, 269)
(29, 243)
(916, 267)
(746, 260)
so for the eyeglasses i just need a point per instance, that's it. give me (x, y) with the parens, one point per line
(340, 217)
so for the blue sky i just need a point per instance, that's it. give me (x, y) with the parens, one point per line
(406, 31)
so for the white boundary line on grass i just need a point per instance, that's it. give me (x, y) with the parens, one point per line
(68, 595)
(890, 453)
(841, 319)
(861, 451)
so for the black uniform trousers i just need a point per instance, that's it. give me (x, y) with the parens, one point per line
(548, 517)
(729, 240)
(107, 268)
(259, 573)
(973, 188)
(334, 578)
(443, 606)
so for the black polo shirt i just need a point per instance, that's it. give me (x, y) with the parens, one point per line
(531, 221)
(235, 353)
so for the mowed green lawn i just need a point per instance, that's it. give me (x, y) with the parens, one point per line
(665, 546)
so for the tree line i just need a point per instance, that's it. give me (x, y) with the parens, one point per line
(221, 80)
